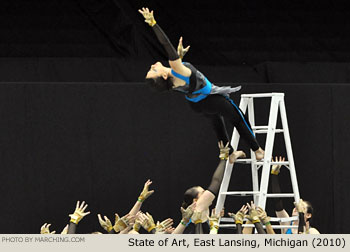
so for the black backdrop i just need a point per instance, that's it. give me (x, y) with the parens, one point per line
(100, 142)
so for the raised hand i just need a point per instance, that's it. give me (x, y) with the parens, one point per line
(149, 18)
(145, 192)
(162, 226)
(180, 49)
(147, 222)
(301, 206)
(123, 222)
(263, 215)
(106, 224)
(239, 216)
(79, 212)
(45, 229)
(275, 169)
(224, 150)
(253, 213)
(188, 212)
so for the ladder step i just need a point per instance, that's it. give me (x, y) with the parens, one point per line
(264, 131)
(261, 162)
(270, 195)
(280, 195)
(241, 193)
(262, 95)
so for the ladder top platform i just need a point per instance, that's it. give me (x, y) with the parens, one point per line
(261, 95)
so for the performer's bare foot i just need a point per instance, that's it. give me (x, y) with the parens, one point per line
(236, 154)
(259, 154)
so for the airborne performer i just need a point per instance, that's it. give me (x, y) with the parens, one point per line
(203, 96)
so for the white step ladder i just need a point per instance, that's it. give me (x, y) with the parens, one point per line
(260, 194)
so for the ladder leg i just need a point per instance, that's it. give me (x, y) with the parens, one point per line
(254, 168)
(268, 151)
(228, 169)
(293, 175)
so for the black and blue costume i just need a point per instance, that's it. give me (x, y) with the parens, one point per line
(212, 101)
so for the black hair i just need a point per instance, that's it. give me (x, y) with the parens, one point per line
(310, 210)
(159, 83)
(189, 195)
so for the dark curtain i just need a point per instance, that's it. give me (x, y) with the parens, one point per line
(100, 142)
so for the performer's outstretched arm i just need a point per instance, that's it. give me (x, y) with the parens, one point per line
(174, 59)
(77, 216)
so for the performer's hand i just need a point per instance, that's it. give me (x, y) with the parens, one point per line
(147, 222)
(45, 229)
(145, 192)
(214, 219)
(180, 50)
(188, 212)
(239, 216)
(275, 170)
(106, 224)
(301, 206)
(79, 213)
(123, 222)
(162, 226)
(263, 215)
(149, 18)
(224, 150)
(253, 213)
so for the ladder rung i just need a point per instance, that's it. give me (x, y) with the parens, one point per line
(270, 195)
(249, 160)
(273, 219)
(280, 195)
(264, 131)
(241, 193)
(261, 95)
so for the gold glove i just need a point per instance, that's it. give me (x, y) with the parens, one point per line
(147, 222)
(199, 217)
(301, 206)
(253, 216)
(238, 217)
(120, 223)
(214, 220)
(79, 213)
(45, 229)
(149, 19)
(106, 224)
(180, 50)
(162, 226)
(187, 213)
(263, 216)
(145, 192)
(275, 169)
(224, 150)
(137, 226)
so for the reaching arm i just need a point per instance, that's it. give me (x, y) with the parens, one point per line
(186, 216)
(77, 216)
(143, 196)
(254, 217)
(174, 60)
(238, 217)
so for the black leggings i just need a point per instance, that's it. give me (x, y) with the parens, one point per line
(218, 109)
